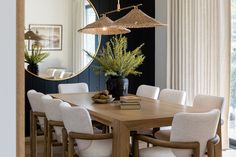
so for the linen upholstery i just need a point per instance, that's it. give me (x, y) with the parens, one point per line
(209, 102)
(183, 130)
(73, 88)
(53, 112)
(36, 104)
(148, 91)
(173, 96)
(77, 119)
(200, 101)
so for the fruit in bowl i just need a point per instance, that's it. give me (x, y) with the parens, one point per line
(102, 97)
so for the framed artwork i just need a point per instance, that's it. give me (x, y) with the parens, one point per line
(51, 36)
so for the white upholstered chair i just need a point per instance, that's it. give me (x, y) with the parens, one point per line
(37, 116)
(78, 124)
(207, 102)
(54, 117)
(148, 91)
(173, 96)
(58, 74)
(73, 88)
(151, 92)
(170, 96)
(192, 134)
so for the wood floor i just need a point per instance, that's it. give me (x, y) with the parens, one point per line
(57, 151)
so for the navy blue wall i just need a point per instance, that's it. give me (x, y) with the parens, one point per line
(97, 82)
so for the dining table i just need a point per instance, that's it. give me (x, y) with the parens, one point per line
(152, 114)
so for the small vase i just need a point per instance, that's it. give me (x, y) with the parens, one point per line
(117, 86)
(33, 68)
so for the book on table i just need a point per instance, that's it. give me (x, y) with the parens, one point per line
(130, 98)
(130, 107)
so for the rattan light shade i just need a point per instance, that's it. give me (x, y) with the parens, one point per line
(104, 26)
(30, 35)
(136, 18)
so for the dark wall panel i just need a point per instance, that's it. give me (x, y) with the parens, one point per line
(97, 82)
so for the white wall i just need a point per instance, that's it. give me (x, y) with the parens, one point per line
(161, 11)
(53, 12)
(8, 78)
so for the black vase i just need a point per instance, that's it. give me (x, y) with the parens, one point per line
(117, 86)
(33, 68)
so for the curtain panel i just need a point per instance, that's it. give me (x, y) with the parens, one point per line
(199, 50)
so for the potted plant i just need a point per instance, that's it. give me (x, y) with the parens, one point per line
(34, 58)
(117, 63)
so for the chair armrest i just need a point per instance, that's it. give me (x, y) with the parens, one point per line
(85, 136)
(39, 114)
(211, 146)
(55, 123)
(195, 146)
(169, 144)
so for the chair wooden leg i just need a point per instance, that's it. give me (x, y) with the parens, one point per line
(65, 142)
(135, 147)
(45, 135)
(49, 140)
(71, 147)
(32, 135)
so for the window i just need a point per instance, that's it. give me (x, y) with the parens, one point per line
(232, 115)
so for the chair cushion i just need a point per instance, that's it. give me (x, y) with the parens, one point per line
(98, 148)
(156, 152)
(163, 133)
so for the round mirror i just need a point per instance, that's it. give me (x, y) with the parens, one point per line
(58, 51)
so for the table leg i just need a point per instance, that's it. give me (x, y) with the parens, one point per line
(121, 136)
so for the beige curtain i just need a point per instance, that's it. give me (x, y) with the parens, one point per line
(199, 50)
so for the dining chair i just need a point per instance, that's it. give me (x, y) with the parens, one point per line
(73, 88)
(58, 74)
(79, 128)
(67, 75)
(37, 116)
(173, 96)
(148, 91)
(200, 101)
(151, 92)
(50, 72)
(54, 117)
(191, 135)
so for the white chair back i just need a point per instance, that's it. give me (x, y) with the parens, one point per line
(53, 112)
(204, 129)
(148, 91)
(77, 119)
(36, 104)
(50, 72)
(209, 102)
(73, 88)
(67, 74)
(58, 74)
(173, 96)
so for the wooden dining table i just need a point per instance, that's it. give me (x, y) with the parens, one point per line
(153, 113)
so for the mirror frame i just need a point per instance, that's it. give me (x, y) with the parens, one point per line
(77, 73)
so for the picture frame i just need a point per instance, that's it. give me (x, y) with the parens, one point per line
(51, 36)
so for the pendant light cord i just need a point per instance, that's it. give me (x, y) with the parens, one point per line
(121, 9)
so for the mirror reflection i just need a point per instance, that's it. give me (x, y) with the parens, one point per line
(57, 23)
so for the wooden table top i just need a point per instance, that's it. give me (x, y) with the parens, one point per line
(150, 109)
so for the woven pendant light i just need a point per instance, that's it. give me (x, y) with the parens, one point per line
(104, 26)
(136, 18)
(30, 35)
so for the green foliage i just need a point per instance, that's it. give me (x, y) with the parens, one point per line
(115, 60)
(36, 55)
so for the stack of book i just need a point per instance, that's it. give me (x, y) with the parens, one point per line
(130, 102)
